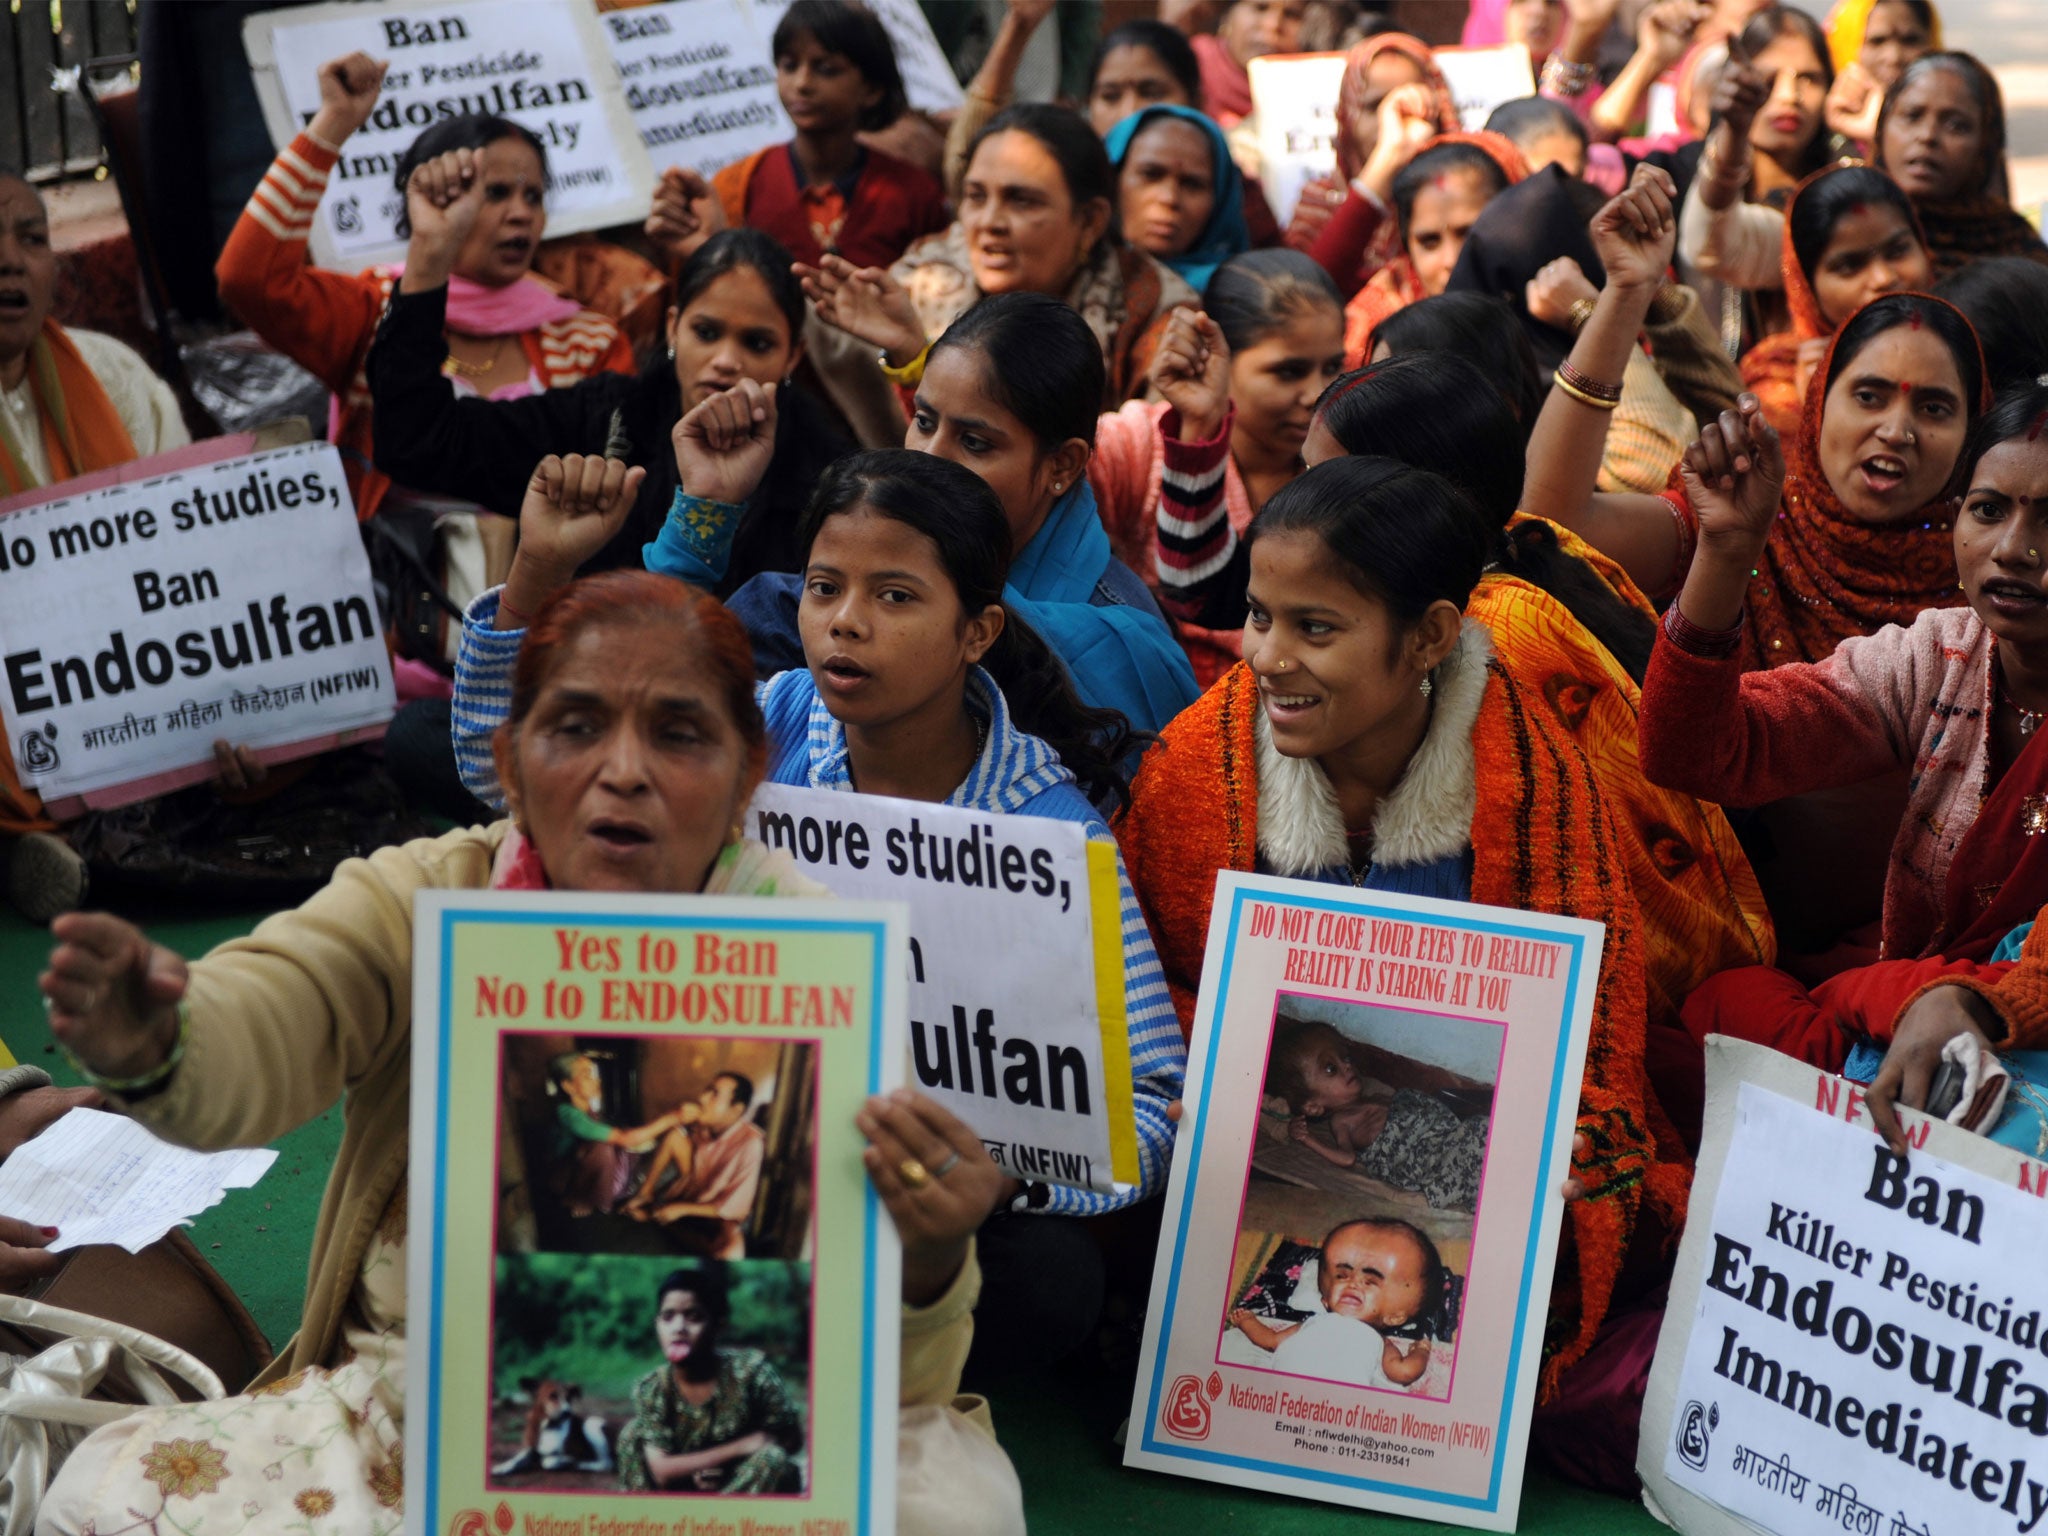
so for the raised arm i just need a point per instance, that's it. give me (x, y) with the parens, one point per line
(993, 85)
(1200, 563)
(869, 305)
(320, 320)
(1663, 34)
(1734, 240)
(1633, 234)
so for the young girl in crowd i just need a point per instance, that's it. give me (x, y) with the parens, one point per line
(1238, 386)
(1143, 63)
(1180, 197)
(1036, 215)
(1863, 536)
(917, 680)
(1008, 392)
(71, 402)
(1848, 236)
(1249, 29)
(1371, 1275)
(736, 313)
(475, 191)
(1437, 199)
(836, 74)
(313, 1009)
(1941, 135)
(1370, 739)
(1871, 43)
(1341, 218)
(1954, 694)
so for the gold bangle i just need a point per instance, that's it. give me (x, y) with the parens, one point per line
(1580, 395)
(911, 374)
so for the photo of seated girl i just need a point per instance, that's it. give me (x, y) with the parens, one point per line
(1373, 1275)
(713, 1417)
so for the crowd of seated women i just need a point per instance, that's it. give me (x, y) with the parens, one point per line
(1513, 524)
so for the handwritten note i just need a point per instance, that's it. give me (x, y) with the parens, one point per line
(102, 1178)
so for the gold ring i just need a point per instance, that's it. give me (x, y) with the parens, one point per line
(913, 1173)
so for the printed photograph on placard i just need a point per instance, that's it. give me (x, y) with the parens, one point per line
(680, 1145)
(636, 1373)
(1354, 1238)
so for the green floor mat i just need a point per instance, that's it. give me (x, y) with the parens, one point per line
(257, 1238)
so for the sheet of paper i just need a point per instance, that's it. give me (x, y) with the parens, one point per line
(102, 1178)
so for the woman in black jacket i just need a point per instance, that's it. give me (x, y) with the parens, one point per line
(736, 313)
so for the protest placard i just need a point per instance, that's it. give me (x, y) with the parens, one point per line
(699, 82)
(545, 64)
(1294, 117)
(1032, 1051)
(633, 1143)
(928, 78)
(1336, 1312)
(1855, 1340)
(142, 621)
(1482, 78)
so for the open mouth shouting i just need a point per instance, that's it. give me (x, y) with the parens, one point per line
(842, 676)
(619, 837)
(2012, 599)
(1883, 473)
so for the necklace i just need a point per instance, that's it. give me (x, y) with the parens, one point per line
(473, 370)
(2029, 718)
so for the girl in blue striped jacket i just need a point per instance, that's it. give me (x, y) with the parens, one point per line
(920, 683)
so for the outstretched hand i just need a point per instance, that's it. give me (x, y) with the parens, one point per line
(112, 995)
(1734, 474)
(1191, 372)
(685, 213)
(725, 443)
(866, 303)
(1636, 231)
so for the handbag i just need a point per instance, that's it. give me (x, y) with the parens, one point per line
(96, 1372)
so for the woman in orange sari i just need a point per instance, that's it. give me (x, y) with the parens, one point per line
(1437, 199)
(1850, 236)
(71, 402)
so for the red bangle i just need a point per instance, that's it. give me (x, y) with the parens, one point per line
(1694, 640)
(1592, 386)
(506, 609)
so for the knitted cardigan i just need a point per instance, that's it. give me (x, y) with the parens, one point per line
(1542, 840)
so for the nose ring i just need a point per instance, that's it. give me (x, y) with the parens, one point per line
(1279, 666)
(1908, 440)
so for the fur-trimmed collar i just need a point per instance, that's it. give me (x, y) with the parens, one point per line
(1429, 814)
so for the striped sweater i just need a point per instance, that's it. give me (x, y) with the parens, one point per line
(1017, 774)
(325, 321)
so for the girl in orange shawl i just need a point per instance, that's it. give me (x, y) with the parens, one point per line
(1850, 237)
(1437, 200)
(1341, 218)
(1862, 535)
(71, 402)
(1372, 738)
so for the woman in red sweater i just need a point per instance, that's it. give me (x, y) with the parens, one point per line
(509, 332)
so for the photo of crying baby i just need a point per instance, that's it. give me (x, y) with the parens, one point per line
(624, 1144)
(1354, 1237)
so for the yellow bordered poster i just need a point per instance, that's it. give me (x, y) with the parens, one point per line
(651, 1284)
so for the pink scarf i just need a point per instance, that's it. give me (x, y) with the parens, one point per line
(477, 310)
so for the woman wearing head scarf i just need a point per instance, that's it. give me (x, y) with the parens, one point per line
(1941, 135)
(1849, 236)
(1437, 199)
(1180, 197)
(1341, 218)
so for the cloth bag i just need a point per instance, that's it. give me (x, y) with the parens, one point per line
(48, 1402)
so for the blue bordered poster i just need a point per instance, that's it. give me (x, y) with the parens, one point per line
(1364, 1211)
(651, 1287)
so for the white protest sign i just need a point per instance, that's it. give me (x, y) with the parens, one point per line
(699, 82)
(1482, 78)
(545, 64)
(1856, 1340)
(1017, 979)
(1294, 117)
(928, 78)
(142, 622)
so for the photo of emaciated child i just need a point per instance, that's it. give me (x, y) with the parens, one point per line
(1367, 1167)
